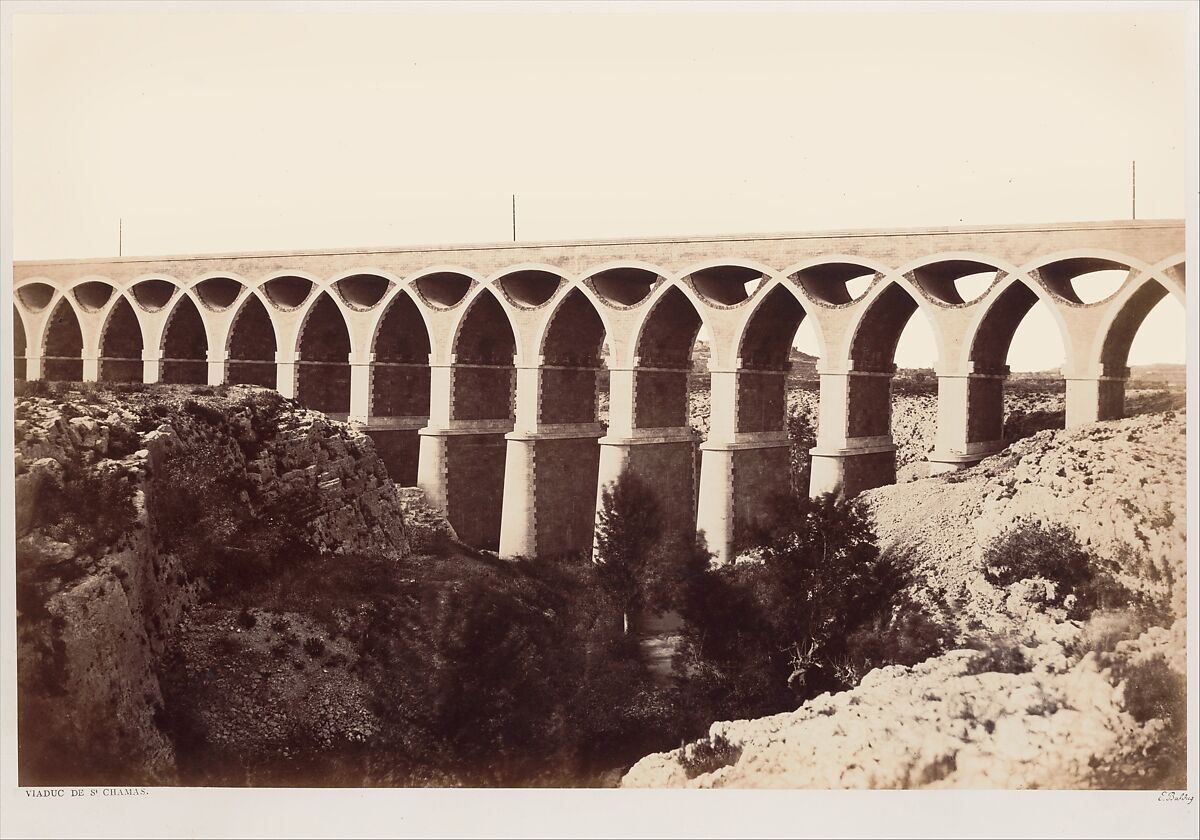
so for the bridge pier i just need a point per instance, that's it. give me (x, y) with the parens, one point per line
(746, 459)
(286, 371)
(217, 366)
(970, 418)
(1090, 399)
(854, 450)
(91, 368)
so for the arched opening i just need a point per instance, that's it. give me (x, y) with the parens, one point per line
(185, 346)
(121, 345)
(776, 392)
(1147, 341)
(568, 466)
(664, 360)
(400, 388)
(19, 344)
(668, 461)
(482, 382)
(1017, 354)
(571, 362)
(914, 401)
(483, 370)
(323, 376)
(863, 429)
(252, 346)
(62, 359)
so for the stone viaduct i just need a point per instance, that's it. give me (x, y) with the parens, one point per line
(475, 368)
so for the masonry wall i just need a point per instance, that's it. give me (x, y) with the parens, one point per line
(761, 396)
(475, 487)
(566, 472)
(660, 399)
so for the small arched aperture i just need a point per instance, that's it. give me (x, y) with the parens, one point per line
(1084, 280)
(93, 294)
(218, 293)
(835, 283)
(530, 288)
(121, 345)
(400, 374)
(36, 296)
(879, 331)
(764, 362)
(153, 294)
(324, 368)
(483, 377)
(62, 357)
(19, 344)
(252, 345)
(571, 362)
(954, 281)
(624, 285)
(726, 285)
(664, 361)
(443, 289)
(362, 291)
(185, 345)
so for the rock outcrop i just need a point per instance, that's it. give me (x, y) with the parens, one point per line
(99, 595)
(1049, 703)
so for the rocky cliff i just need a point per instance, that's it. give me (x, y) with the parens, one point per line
(1047, 701)
(99, 592)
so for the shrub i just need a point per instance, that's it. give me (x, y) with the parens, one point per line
(708, 755)
(1032, 550)
(314, 647)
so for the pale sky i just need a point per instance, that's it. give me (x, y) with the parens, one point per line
(221, 132)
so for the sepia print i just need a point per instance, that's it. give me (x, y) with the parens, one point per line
(634, 491)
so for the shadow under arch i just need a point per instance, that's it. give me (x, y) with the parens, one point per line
(251, 344)
(62, 344)
(400, 383)
(121, 344)
(323, 360)
(184, 344)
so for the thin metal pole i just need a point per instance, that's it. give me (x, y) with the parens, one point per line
(1133, 190)
(514, 217)
(120, 235)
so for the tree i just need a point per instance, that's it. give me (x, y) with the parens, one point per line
(626, 530)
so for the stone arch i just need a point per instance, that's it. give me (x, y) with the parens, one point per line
(20, 343)
(323, 366)
(663, 360)
(483, 348)
(34, 295)
(62, 344)
(400, 372)
(361, 289)
(121, 344)
(252, 345)
(571, 361)
(875, 337)
(185, 345)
